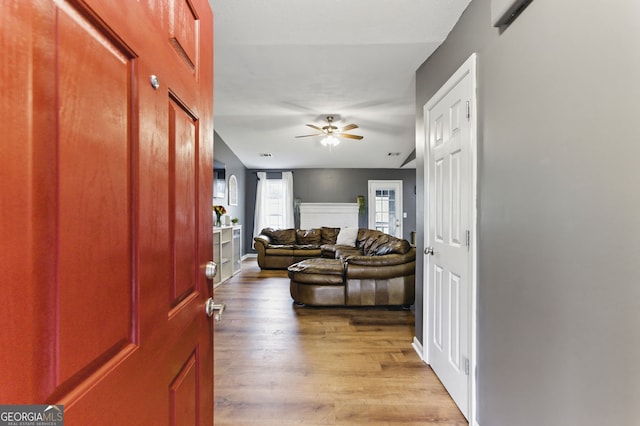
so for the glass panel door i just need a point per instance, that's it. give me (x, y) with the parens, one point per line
(385, 206)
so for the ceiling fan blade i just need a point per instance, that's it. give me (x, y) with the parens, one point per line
(306, 136)
(344, 135)
(349, 127)
(315, 127)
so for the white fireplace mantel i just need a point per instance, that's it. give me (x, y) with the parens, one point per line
(335, 215)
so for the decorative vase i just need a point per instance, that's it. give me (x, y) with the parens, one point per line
(218, 223)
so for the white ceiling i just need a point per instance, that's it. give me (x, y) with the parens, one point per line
(280, 64)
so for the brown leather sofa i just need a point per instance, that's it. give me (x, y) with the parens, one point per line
(378, 269)
(280, 248)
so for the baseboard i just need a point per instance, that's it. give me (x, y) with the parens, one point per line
(417, 346)
(249, 256)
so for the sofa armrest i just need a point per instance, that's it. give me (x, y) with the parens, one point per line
(389, 266)
(386, 260)
(261, 241)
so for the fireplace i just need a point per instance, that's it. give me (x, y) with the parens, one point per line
(335, 215)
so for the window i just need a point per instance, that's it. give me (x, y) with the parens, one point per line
(233, 190)
(274, 204)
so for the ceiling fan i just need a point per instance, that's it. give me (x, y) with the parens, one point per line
(330, 132)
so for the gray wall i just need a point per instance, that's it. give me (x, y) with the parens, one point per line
(559, 209)
(234, 166)
(339, 186)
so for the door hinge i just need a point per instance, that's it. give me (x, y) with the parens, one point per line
(466, 366)
(468, 110)
(468, 238)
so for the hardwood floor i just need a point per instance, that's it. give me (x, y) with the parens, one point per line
(279, 364)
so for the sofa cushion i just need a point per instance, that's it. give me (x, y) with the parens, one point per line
(373, 262)
(307, 250)
(318, 266)
(280, 236)
(280, 250)
(308, 237)
(367, 237)
(317, 271)
(393, 245)
(329, 235)
(347, 237)
(343, 252)
(372, 244)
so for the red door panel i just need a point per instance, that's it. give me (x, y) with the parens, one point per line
(183, 133)
(106, 221)
(183, 32)
(94, 198)
(183, 408)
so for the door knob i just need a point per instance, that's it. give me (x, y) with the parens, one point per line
(211, 307)
(210, 270)
(428, 250)
(155, 83)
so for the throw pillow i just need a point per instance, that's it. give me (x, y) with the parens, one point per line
(347, 237)
(312, 236)
(369, 238)
(394, 245)
(281, 236)
(329, 235)
(376, 245)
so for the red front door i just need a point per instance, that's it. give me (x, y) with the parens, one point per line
(105, 196)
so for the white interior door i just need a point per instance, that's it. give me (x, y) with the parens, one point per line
(385, 206)
(450, 220)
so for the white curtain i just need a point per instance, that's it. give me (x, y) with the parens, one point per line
(287, 199)
(260, 220)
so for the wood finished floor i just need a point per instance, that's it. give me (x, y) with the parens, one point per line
(279, 364)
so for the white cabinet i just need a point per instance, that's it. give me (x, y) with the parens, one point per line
(227, 252)
(236, 243)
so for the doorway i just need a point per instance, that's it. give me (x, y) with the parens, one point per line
(450, 236)
(385, 206)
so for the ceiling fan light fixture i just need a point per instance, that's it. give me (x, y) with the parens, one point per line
(331, 133)
(329, 141)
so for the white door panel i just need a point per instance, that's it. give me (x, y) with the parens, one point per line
(449, 218)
